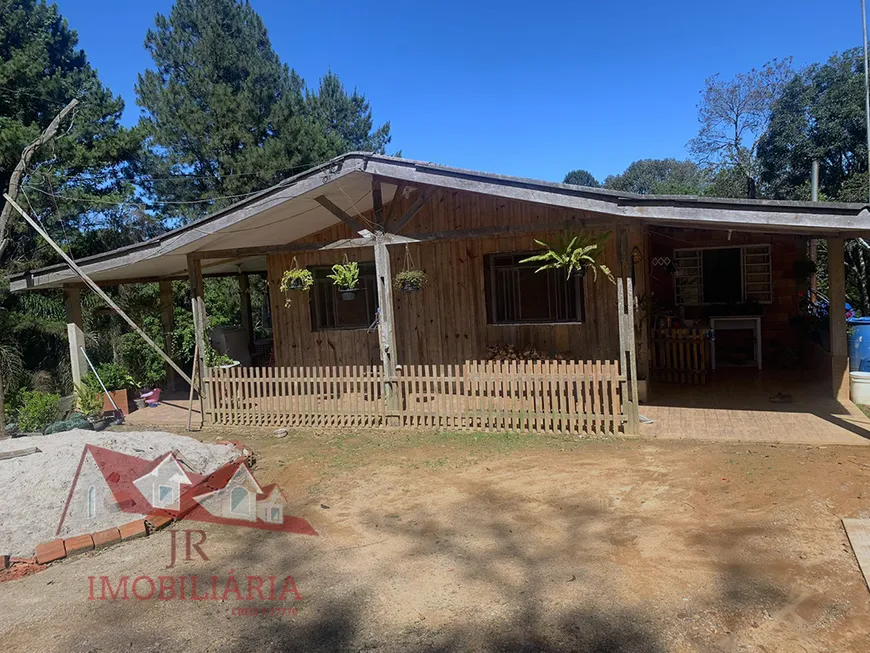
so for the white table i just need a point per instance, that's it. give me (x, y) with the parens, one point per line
(733, 323)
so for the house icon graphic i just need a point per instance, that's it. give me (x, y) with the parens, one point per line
(109, 486)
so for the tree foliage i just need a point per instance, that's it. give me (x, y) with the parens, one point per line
(659, 177)
(225, 117)
(41, 70)
(734, 114)
(820, 115)
(581, 178)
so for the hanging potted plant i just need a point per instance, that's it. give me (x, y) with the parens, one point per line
(410, 279)
(575, 257)
(297, 279)
(345, 277)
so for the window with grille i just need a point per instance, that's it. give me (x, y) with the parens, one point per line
(516, 294)
(330, 311)
(723, 275)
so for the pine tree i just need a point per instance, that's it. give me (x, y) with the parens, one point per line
(73, 184)
(221, 107)
(346, 119)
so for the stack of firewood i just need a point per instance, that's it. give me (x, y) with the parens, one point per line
(505, 352)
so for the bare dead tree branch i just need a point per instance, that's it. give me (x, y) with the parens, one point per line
(21, 167)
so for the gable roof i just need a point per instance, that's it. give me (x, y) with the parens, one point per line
(289, 211)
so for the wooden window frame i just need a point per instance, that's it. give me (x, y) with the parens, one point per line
(367, 276)
(687, 251)
(491, 295)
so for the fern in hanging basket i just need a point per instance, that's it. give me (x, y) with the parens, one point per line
(297, 279)
(575, 257)
(345, 276)
(410, 280)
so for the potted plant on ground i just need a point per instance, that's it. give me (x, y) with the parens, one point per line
(296, 279)
(345, 277)
(117, 381)
(574, 256)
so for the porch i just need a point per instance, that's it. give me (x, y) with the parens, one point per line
(747, 405)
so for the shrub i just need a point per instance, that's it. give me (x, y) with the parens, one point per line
(39, 409)
(90, 401)
(114, 377)
(144, 364)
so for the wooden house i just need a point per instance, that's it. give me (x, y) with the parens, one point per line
(700, 283)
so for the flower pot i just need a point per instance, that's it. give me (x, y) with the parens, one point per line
(348, 294)
(120, 397)
(578, 273)
(296, 284)
(409, 287)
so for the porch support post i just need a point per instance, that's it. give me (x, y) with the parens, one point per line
(167, 321)
(197, 300)
(72, 297)
(384, 279)
(837, 312)
(245, 303)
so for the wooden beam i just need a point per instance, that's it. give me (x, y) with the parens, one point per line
(338, 213)
(245, 305)
(386, 331)
(377, 203)
(72, 299)
(93, 286)
(424, 197)
(197, 301)
(837, 313)
(395, 204)
(167, 322)
(395, 239)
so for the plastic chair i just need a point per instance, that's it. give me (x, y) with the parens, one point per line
(152, 398)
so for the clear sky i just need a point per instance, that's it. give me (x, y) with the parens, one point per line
(532, 89)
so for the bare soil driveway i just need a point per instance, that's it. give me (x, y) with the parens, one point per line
(434, 542)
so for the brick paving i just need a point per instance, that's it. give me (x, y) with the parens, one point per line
(735, 406)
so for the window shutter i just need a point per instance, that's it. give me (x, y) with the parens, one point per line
(688, 277)
(757, 278)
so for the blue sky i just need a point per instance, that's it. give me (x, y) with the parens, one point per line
(532, 89)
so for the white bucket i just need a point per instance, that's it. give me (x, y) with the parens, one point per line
(859, 386)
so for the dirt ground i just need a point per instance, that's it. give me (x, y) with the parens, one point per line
(438, 542)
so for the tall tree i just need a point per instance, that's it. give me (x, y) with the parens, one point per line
(345, 119)
(819, 116)
(222, 111)
(581, 178)
(659, 177)
(734, 115)
(74, 185)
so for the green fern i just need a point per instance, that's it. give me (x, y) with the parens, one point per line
(581, 252)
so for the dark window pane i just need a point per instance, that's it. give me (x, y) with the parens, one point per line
(722, 279)
(516, 293)
(330, 311)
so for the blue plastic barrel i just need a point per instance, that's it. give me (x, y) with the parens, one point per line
(859, 344)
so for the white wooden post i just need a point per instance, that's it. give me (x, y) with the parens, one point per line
(73, 303)
(197, 300)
